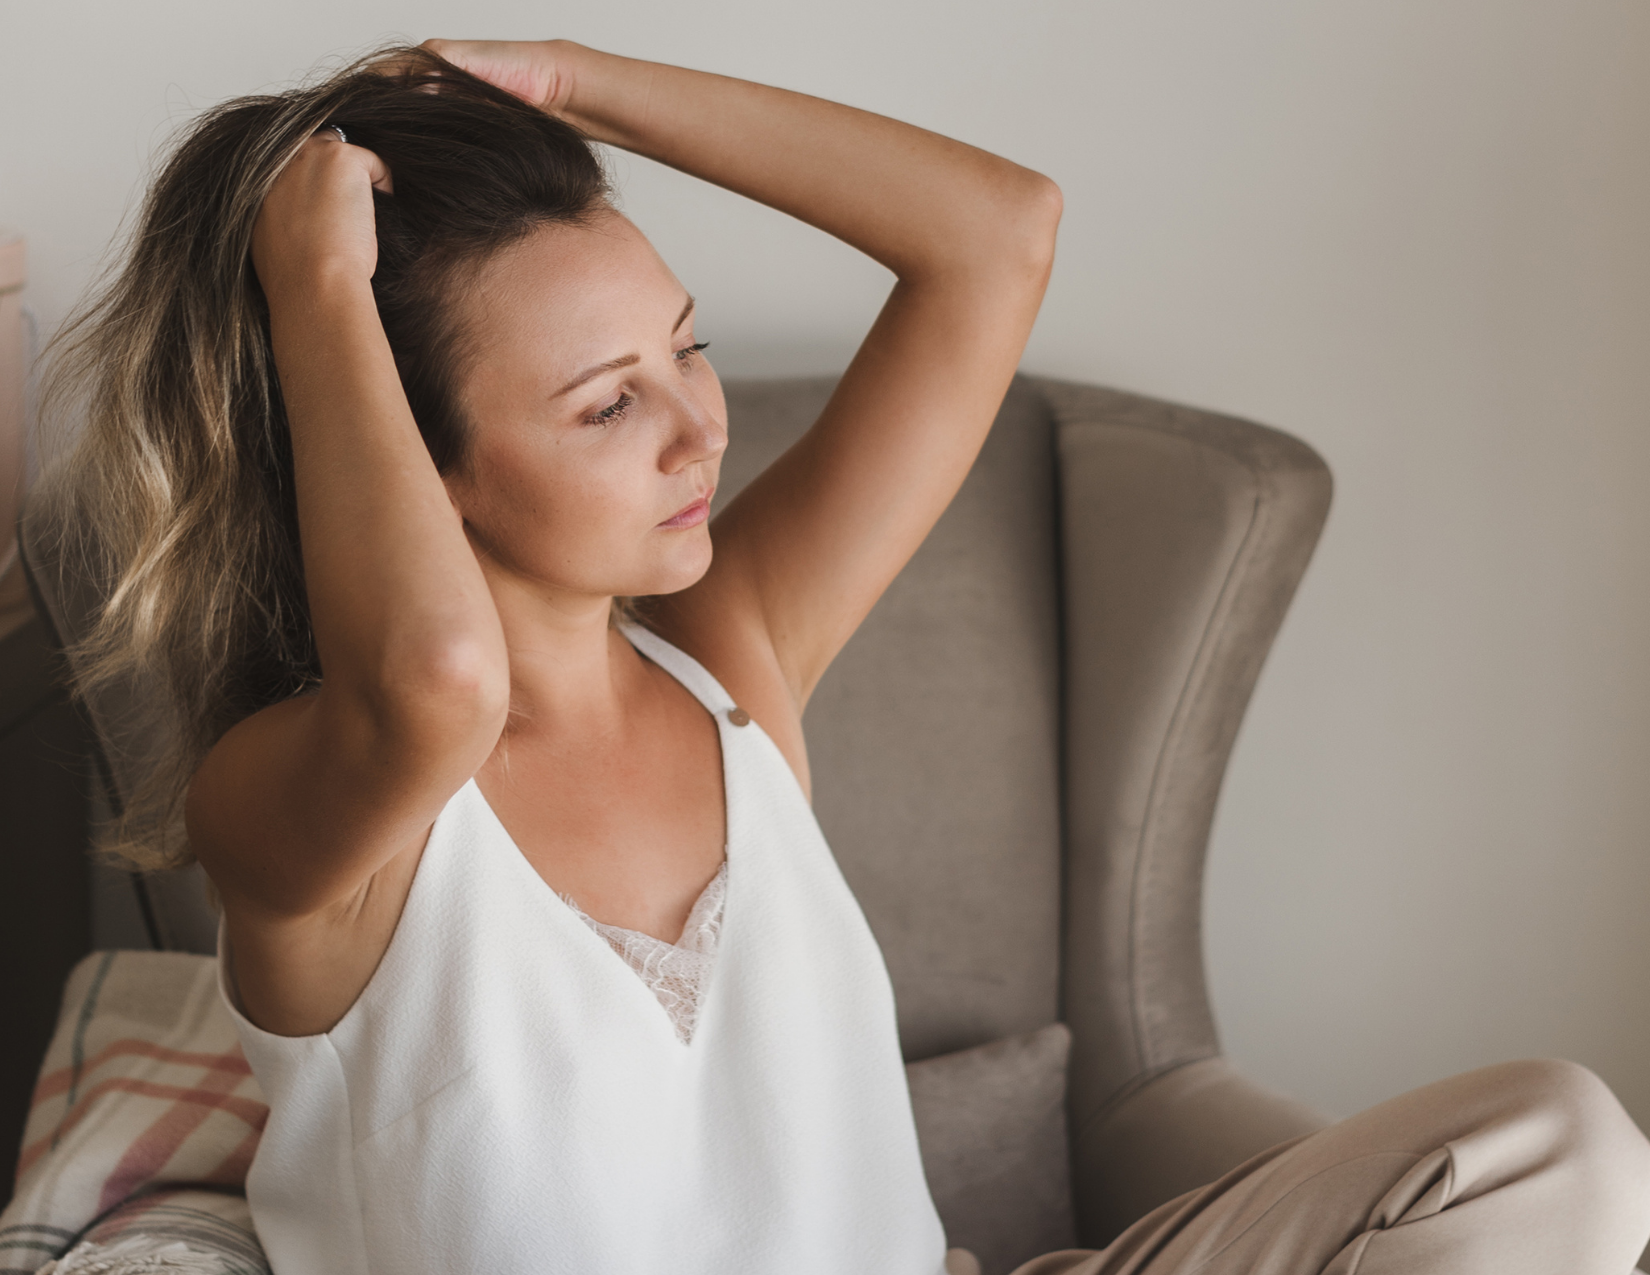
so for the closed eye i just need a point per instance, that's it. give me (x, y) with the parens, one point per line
(691, 352)
(612, 412)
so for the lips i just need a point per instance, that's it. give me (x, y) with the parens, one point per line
(692, 516)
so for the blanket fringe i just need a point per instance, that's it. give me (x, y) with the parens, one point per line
(136, 1255)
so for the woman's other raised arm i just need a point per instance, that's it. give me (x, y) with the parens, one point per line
(805, 551)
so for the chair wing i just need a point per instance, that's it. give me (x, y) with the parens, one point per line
(1184, 535)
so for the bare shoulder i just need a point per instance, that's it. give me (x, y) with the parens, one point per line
(734, 645)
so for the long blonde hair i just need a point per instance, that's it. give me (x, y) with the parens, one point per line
(174, 505)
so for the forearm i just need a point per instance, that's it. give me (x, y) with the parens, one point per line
(913, 200)
(398, 602)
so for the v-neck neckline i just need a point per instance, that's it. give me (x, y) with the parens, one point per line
(729, 840)
(693, 910)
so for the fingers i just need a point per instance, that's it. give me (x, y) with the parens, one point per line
(378, 172)
(458, 52)
(397, 62)
(448, 49)
(519, 67)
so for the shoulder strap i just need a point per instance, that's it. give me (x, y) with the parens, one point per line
(680, 665)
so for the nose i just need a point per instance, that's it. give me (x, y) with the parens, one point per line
(698, 433)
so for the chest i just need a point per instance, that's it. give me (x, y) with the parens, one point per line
(633, 826)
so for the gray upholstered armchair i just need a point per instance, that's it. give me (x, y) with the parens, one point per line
(1017, 760)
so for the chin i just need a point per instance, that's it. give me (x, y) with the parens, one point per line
(683, 572)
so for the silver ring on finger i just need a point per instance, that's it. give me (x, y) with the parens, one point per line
(334, 128)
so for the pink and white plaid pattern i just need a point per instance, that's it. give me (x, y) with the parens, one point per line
(144, 1089)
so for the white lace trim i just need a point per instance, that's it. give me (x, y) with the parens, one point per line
(677, 973)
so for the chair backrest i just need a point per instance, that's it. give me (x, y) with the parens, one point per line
(1017, 756)
(934, 739)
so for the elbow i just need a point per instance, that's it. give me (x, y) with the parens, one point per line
(1002, 234)
(465, 677)
(443, 692)
(1033, 222)
(1008, 237)
(467, 668)
(1049, 204)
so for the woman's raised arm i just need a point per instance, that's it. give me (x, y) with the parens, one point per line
(805, 551)
(298, 806)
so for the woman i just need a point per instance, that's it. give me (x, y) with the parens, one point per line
(452, 417)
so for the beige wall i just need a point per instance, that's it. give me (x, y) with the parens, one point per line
(1416, 232)
(15, 608)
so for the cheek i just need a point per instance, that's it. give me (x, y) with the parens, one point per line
(566, 507)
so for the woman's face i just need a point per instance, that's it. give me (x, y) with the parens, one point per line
(596, 430)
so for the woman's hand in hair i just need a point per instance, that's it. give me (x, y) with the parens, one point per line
(537, 71)
(316, 225)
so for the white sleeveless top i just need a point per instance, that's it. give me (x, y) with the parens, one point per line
(507, 1096)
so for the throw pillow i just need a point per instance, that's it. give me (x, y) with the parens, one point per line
(992, 1124)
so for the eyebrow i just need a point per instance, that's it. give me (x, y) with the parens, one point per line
(627, 360)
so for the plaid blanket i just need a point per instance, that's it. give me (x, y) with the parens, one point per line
(143, 1125)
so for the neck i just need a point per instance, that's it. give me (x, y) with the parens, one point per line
(570, 670)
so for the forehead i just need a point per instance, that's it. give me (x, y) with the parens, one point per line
(572, 291)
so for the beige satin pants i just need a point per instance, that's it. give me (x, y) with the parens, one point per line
(1526, 1168)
